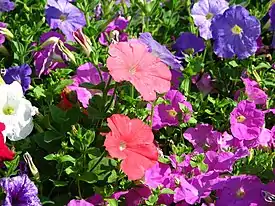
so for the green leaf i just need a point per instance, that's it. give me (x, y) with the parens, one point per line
(88, 177)
(167, 191)
(62, 84)
(57, 114)
(112, 202)
(113, 177)
(51, 136)
(67, 158)
(58, 183)
(233, 63)
(39, 92)
(51, 157)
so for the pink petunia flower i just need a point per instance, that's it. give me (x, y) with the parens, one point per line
(132, 141)
(131, 61)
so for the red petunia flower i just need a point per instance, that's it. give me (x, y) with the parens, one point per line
(132, 141)
(5, 152)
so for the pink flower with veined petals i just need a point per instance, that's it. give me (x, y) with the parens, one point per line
(131, 61)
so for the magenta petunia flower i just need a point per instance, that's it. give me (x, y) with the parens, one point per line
(246, 121)
(235, 32)
(87, 73)
(253, 91)
(65, 16)
(203, 11)
(224, 161)
(203, 136)
(168, 114)
(79, 203)
(114, 31)
(2, 36)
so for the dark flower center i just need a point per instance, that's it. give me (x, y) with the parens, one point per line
(236, 30)
(240, 193)
(63, 17)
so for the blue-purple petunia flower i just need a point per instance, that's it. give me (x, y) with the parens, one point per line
(20, 190)
(188, 43)
(19, 73)
(65, 16)
(272, 22)
(6, 5)
(160, 51)
(235, 32)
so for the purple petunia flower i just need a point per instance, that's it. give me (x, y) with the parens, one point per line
(272, 22)
(19, 73)
(246, 121)
(114, 31)
(235, 32)
(20, 190)
(176, 79)
(79, 203)
(87, 73)
(65, 16)
(203, 83)
(6, 5)
(203, 12)
(50, 57)
(98, 11)
(253, 91)
(168, 114)
(160, 51)
(2, 36)
(127, 2)
(239, 191)
(203, 136)
(188, 43)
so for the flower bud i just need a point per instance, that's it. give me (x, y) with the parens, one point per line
(6, 32)
(64, 49)
(49, 41)
(28, 159)
(83, 40)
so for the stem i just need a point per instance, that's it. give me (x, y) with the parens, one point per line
(112, 99)
(132, 91)
(99, 160)
(78, 188)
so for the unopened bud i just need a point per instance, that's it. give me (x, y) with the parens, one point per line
(28, 159)
(6, 32)
(84, 41)
(64, 49)
(51, 40)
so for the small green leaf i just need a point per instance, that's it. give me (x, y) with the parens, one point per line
(112, 202)
(51, 136)
(88, 177)
(57, 114)
(62, 84)
(67, 158)
(58, 183)
(233, 63)
(167, 191)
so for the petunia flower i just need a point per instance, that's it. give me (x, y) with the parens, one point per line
(176, 79)
(272, 22)
(235, 32)
(131, 61)
(2, 36)
(114, 30)
(16, 112)
(5, 153)
(98, 11)
(87, 73)
(188, 43)
(6, 5)
(131, 139)
(203, 12)
(160, 51)
(19, 73)
(65, 16)
(20, 190)
(50, 56)
(79, 203)
(203, 136)
(204, 83)
(246, 121)
(253, 91)
(179, 109)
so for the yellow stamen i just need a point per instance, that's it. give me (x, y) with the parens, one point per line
(237, 30)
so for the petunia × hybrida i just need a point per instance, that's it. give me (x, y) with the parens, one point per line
(6, 5)
(171, 114)
(131, 139)
(19, 190)
(160, 51)
(246, 121)
(20, 74)
(203, 12)
(253, 91)
(235, 33)
(16, 112)
(65, 16)
(203, 82)
(5, 153)
(87, 73)
(50, 56)
(114, 31)
(131, 61)
(272, 22)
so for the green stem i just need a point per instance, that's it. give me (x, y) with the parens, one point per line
(112, 99)
(98, 161)
(132, 91)
(79, 190)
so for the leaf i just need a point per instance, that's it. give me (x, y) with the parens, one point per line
(112, 178)
(58, 183)
(51, 136)
(67, 158)
(233, 63)
(88, 177)
(57, 114)
(62, 84)
(167, 191)
(112, 202)
(39, 92)
(51, 157)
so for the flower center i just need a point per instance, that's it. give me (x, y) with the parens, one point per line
(172, 112)
(189, 51)
(122, 146)
(132, 70)
(63, 17)
(241, 119)
(240, 193)
(8, 110)
(209, 16)
(237, 30)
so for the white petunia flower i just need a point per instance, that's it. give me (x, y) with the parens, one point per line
(16, 112)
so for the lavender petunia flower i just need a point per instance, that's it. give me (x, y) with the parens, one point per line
(114, 30)
(203, 83)
(50, 56)
(235, 32)
(86, 73)
(6, 5)
(203, 136)
(168, 114)
(98, 11)
(20, 190)
(160, 51)
(253, 91)
(246, 121)
(127, 2)
(65, 16)
(188, 43)
(203, 11)
(19, 73)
